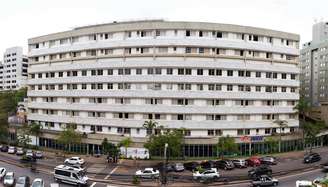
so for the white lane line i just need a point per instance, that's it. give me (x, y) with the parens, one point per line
(107, 177)
(93, 184)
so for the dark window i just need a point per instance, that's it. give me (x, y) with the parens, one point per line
(187, 32)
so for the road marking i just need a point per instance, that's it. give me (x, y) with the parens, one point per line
(107, 177)
(311, 171)
(93, 184)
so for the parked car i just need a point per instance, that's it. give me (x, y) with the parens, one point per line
(208, 164)
(211, 174)
(38, 155)
(260, 170)
(148, 173)
(169, 167)
(74, 161)
(27, 159)
(178, 167)
(191, 165)
(20, 151)
(224, 164)
(304, 183)
(311, 157)
(324, 166)
(269, 160)
(30, 153)
(265, 180)
(23, 181)
(253, 161)
(4, 148)
(9, 179)
(12, 150)
(3, 172)
(37, 183)
(239, 163)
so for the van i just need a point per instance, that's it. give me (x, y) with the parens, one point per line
(70, 175)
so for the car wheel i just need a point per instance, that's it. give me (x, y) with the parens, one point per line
(225, 168)
(275, 184)
(215, 178)
(269, 172)
(199, 178)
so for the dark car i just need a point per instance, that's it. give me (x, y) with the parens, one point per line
(253, 161)
(324, 166)
(264, 180)
(23, 181)
(225, 164)
(260, 170)
(269, 160)
(169, 167)
(191, 165)
(208, 164)
(27, 159)
(311, 157)
(4, 148)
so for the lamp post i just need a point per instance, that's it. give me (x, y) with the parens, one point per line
(164, 177)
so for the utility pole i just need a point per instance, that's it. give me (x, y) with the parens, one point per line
(164, 175)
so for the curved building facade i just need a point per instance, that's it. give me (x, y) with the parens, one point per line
(210, 79)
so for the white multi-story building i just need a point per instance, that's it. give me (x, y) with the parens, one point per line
(210, 79)
(14, 69)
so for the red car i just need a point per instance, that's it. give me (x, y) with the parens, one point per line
(253, 161)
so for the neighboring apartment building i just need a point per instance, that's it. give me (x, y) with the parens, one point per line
(314, 71)
(210, 79)
(1, 76)
(14, 69)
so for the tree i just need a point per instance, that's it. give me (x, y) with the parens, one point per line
(173, 138)
(149, 126)
(35, 130)
(311, 131)
(125, 143)
(68, 136)
(109, 148)
(281, 124)
(23, 137)
(303, 107)
(226, 144)
(272, 143)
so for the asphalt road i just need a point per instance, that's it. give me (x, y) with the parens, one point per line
(284, 181)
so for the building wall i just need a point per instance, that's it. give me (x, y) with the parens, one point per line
(210, 79)
(14, 72)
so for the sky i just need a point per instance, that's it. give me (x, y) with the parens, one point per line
(23, 19)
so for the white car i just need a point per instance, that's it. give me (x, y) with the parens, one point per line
(304, 184)
(9, 179)
(206, 174)
(37, 183)
(12, 150)
(2, 172)
(148, 173)
(29, 153)
(20, 151)
(74, 161)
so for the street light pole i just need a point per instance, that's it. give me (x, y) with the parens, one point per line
(164, 178)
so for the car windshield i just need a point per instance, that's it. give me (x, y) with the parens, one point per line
(8, 177)
(37, 184)
(21, 180)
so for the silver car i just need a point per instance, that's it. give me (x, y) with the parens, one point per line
(9, 179)
(178, 167)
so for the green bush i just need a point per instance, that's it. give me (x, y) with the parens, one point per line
(135, 180)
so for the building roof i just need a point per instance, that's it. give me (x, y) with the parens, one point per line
(161, 24)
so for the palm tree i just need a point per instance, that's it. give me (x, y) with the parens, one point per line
(303, 107)
(149, 126)
(281, 124)
(126, 143)
(35, 130)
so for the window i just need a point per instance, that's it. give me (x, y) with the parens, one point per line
(292, 76)
(200, 33)
(268, 74)
(139, 71)
(150, 71)
(274, 75)
(187, 32)
(199, 71)
(84, 72)
(210, 132)
(283, 76)
(169, 71)
(229, 88)
(211, 72)
(258, 88)
(219, 34)
(241, 73)
(258, 74)
(188, 50)
(110, 72)
(283, 89)
(230, 73)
